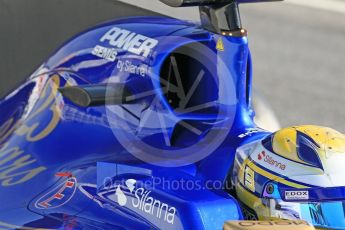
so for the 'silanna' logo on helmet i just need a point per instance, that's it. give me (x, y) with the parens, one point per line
(261, 155)
(270, 160)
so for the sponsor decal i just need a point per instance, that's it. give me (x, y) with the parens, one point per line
(220, 45)
(144, 202)
(128, 67)
(296, 195)
(16, 167)
(263, 156)
(58, 196)
(249, 179)
(273, 223)
(109, 54)
(138, 200)
(250, 131)
(130, 41)
(282, 224)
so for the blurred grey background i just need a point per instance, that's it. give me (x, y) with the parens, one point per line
(298, 47)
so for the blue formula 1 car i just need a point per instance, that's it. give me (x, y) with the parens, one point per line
(147, 123)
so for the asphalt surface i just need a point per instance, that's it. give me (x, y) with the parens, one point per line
(298, 52)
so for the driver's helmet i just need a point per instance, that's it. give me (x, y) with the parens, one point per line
(295, 173)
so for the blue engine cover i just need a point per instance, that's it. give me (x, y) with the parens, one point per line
(114, 166)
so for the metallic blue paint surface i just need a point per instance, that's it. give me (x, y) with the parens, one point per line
(43, 134)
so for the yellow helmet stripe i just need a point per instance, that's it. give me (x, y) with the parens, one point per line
(274, 177)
